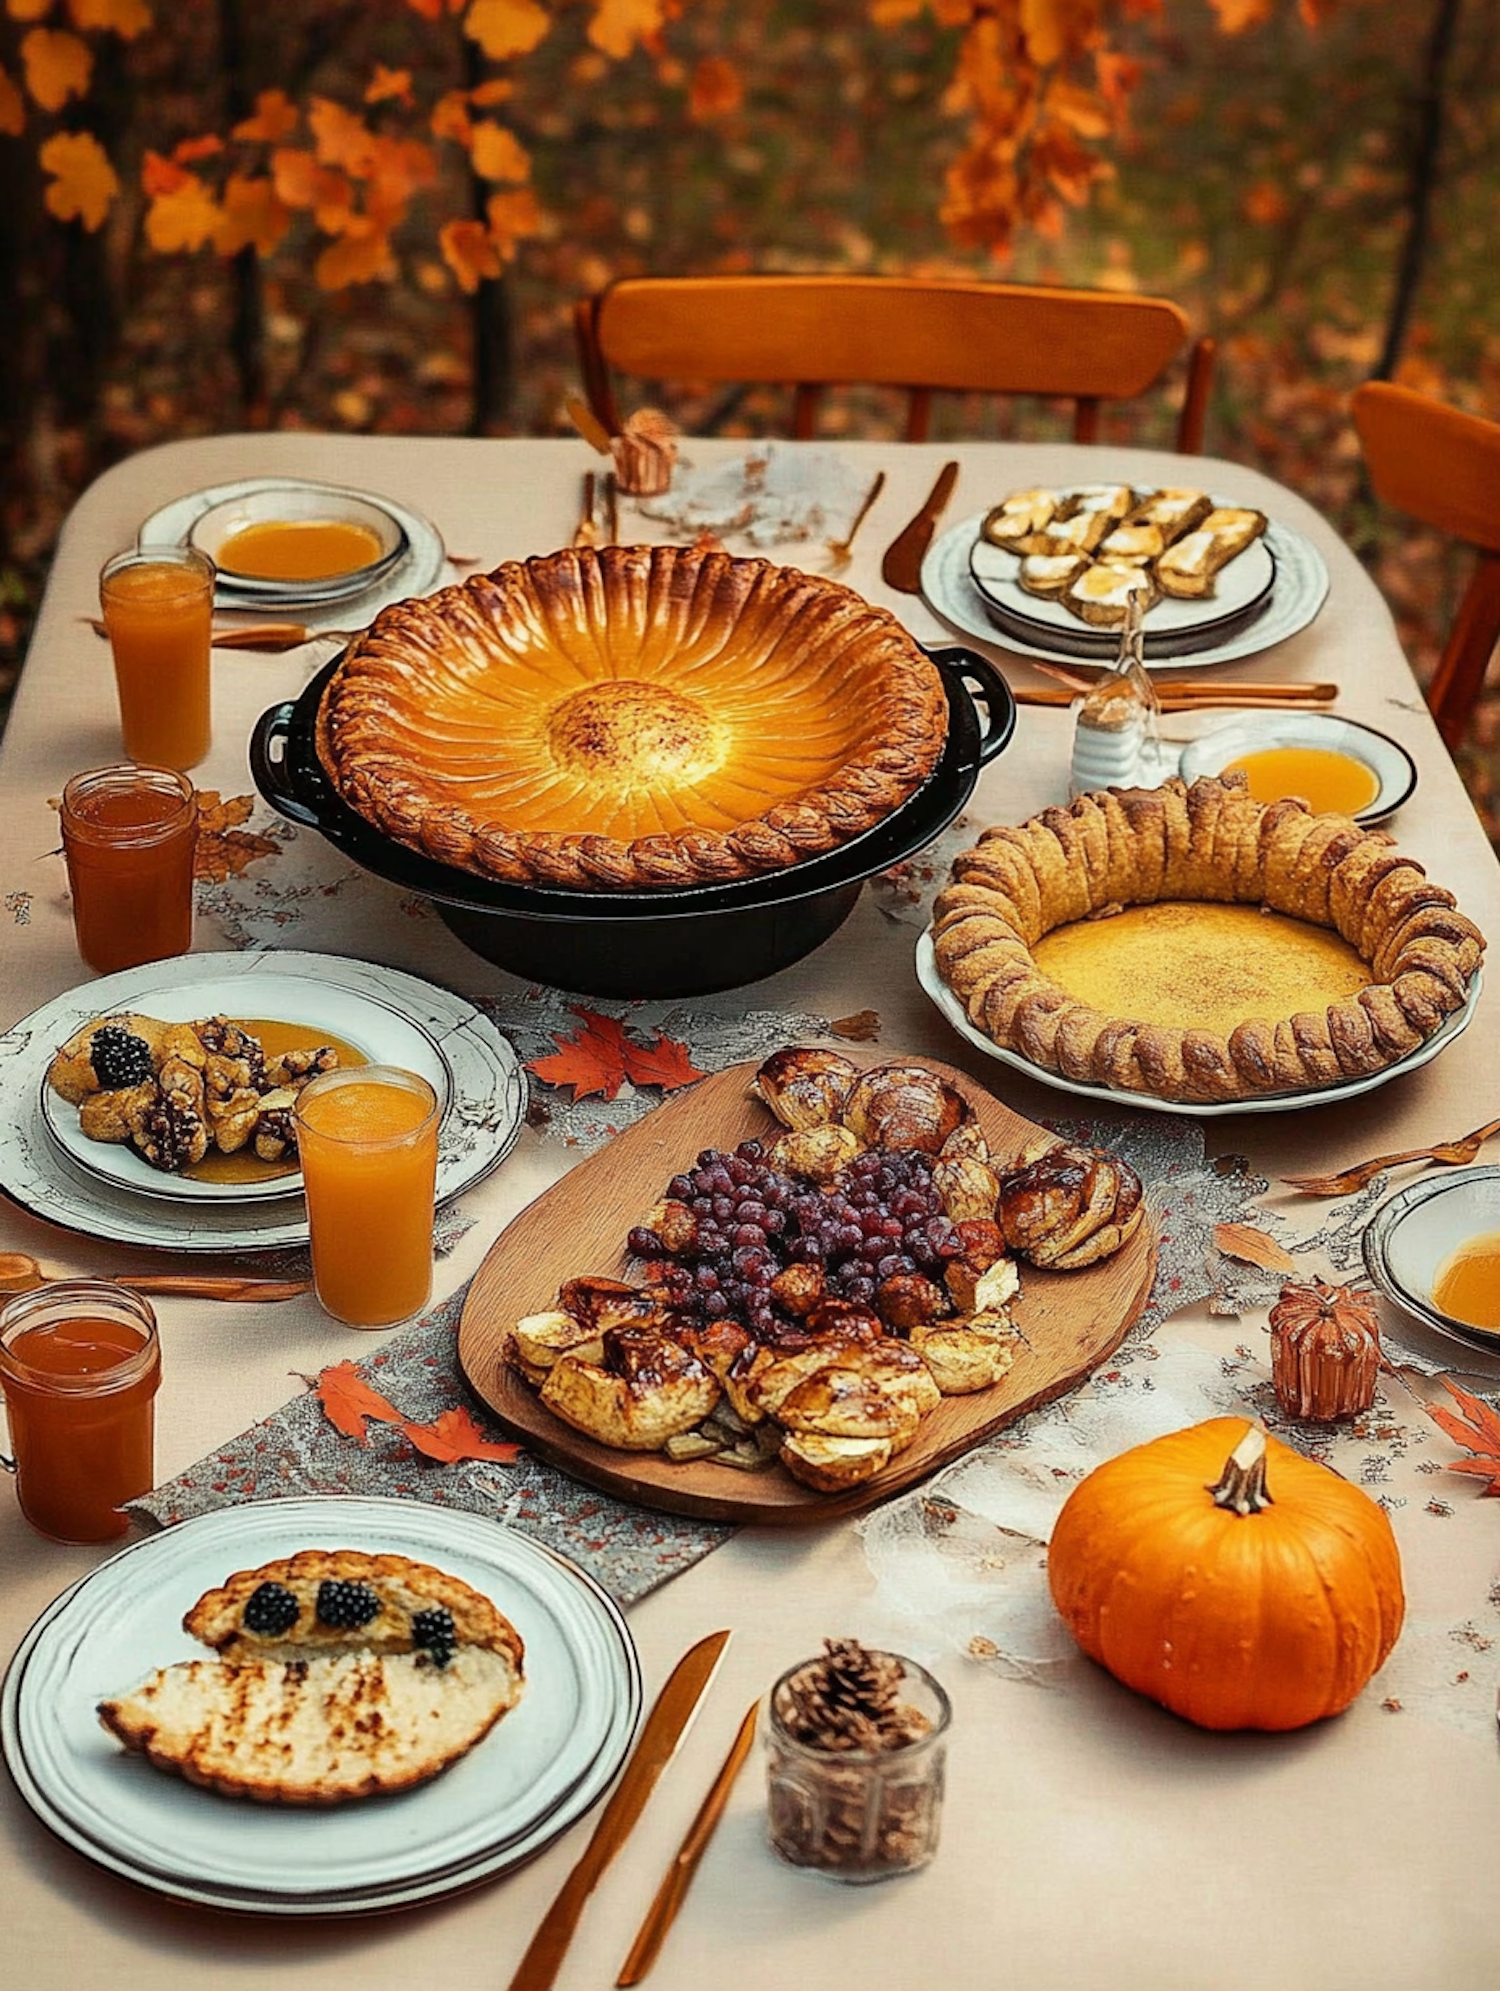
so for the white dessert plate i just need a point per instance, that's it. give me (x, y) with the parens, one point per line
(212, 531)
(417, 572)
(371, 1024)
(949, 589)
(1414, 1233)
(1272, 1102)
(537, 1771)
(1390, 764)
(485, 1090)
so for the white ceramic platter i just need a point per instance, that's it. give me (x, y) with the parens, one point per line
(434, 1030)
(371, 1025)
(1414, 1233)
(1301, 588)
(537, 1771)
(416, 573)
(1390, 764)
(1274, 1102)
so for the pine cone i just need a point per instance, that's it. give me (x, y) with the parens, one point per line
(848, 1699)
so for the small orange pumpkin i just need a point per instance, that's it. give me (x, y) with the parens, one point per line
(1224, 1575)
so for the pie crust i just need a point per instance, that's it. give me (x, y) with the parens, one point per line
(631, 717)
(1207, 842)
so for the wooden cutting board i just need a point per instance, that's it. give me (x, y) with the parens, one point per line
(1072, 1320)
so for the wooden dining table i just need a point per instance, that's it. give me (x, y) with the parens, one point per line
(1090, 1839)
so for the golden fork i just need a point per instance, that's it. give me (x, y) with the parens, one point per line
(586, 532)
(843, 549)
(1349, 1180)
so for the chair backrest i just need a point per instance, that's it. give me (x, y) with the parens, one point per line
(815, 332)
(1443, 467)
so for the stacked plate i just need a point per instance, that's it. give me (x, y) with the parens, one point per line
(110, 1191)
(543, 1767)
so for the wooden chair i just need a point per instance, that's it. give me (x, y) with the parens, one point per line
(1082, 345)
(1443, 467)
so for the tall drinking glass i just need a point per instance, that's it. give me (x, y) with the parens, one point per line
(367, 1139)
(158, 608)
(129, 836)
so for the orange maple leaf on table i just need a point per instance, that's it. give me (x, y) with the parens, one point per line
(58, 66)
(455, 1435)
(224, 848)
(1475, 1429)
(601, 1056)
(84, 184)
(504, 28)
(276, 117)
(347, 1401)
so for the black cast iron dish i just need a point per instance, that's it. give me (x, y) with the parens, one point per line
(670, 943)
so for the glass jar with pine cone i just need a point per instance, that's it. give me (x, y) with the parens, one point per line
(856, 1743)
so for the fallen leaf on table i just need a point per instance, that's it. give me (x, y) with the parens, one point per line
(20, 1273)
(863, 1027)
(1475, 1429)
(600, 1057)
(1253, 1247)
(224, 849)
(348, 1400)
(454, 1436)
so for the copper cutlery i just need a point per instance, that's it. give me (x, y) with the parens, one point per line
(588, 424)
(268, 636)
(843, 549)
(1349, 1180)
(1175, 698)
(902, 566)
(21, 1273)
(586, 532)
(665, 1727)
(678, 1877)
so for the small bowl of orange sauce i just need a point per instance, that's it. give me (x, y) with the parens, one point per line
(1334, 765)
(1434, 1250)
(304, 542)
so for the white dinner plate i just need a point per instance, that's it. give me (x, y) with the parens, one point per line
(451, 1042)
(416, 573)
(1301, 588)
(537, 1771)
(1271, 1102)
(372, 1025)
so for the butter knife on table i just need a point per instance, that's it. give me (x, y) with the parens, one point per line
(666, 1725)
(902, 566)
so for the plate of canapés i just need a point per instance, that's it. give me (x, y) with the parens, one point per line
(182, 1134)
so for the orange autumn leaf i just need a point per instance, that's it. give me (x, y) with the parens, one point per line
(497, 154)
(253, 216)
(361, 255)
(511, 217)
(12, 105)
(1237, 15)
(58, 66)
(455, 1435)
(224, 848)
(388, 83)
(398, 168)
(189, 149)
(619, 27)
(84, 183)
(300, 182)
(450, 117)
(28, 10)
(341, 138)
(160, 175)
(599, 1058)
(276, 117)
(495, 91)
(1043, 23)
(1474, 1429)
(716, 91)
(347, 1400)
(126, 18)
(183, 219)
(504, 28)
(663, 1062)
(1253, 1247)
(470, 254)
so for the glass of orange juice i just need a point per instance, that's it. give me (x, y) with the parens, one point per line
(158, 607)
(367, 1138)
(79, 1367)
(130, 835)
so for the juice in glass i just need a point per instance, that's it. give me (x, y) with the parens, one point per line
(367, 1141)
(129, 836)
(79, 1366)
(158, 608)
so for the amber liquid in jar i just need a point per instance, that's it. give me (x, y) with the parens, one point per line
(80, 1388)
(1467, 1286)
(129, 837)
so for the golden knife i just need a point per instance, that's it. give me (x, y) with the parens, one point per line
(678, 1877)
(902, 566)
(668, 1722)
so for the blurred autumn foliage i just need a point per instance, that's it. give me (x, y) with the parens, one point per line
(375, 214)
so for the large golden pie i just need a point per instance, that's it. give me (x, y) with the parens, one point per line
(632, 717)
(1197, 945)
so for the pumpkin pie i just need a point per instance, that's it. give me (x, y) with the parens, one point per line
(631, 717)
(1196, 945)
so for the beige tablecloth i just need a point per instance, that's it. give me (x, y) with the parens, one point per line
(1090, 1839)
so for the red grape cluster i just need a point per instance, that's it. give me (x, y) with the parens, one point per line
(880, 1218)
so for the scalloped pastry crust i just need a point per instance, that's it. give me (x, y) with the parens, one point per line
(631, 718)
(1208, 842)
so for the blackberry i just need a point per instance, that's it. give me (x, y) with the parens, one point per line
(270, 1611)
(119, 1057)
(345, 1607)
(432, 1632)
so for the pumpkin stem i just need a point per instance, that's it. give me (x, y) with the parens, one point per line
(1241, 1487)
